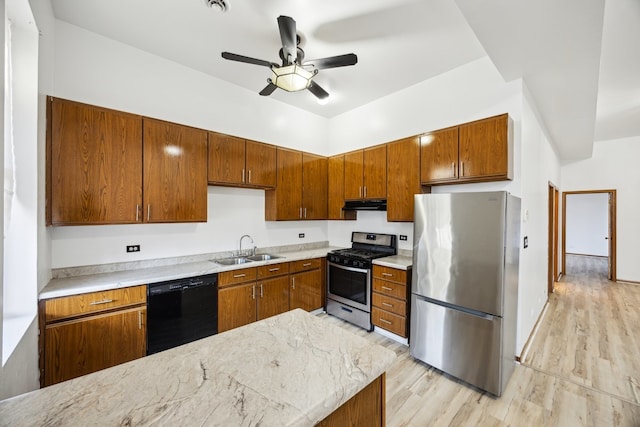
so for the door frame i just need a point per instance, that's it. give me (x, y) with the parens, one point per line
(552, 265)
(612, 229)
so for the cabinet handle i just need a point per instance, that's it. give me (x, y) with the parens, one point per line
(249, 176)
(306, 264)
(305, 213)
(360, 192)
(148, 212)
(386, 321)
(293, 283)
(453, 169)
(139, 320)
(237, 276)
(261, 292)
(300, 212)
(104, 301)
(461, 168)
(253, 291)
(271, 270)
(365, 191)
(386, 304)
(243, 176)
(341, 214)
(387, 274)
(387, 289)
(137, 213)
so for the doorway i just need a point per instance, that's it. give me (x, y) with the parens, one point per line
(591, 241)
(552, 266)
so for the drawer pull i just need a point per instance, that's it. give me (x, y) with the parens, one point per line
(237, 276)
(386, 321)
(306, 264)
(387, 288)
(104, 301)
(386, 304)
(274, 269)
(387, 274)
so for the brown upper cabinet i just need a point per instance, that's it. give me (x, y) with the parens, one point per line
(403, 178)
(472, 152)
(365, 173)
(110, 167)
(94, 165)
(175, 172)
(335, 189)
(301, 190)
(240, 162)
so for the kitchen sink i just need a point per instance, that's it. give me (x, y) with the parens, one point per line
(232, 261)
(262, 257)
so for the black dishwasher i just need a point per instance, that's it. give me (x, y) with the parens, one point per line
(181, 311)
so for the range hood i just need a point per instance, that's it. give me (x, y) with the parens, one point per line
(365, 205)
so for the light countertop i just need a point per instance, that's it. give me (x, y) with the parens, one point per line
(293, 369)
(400, 262)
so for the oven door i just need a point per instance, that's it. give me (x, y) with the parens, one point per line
(349, 285)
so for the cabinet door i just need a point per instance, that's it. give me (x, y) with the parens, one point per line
(375, 172)
(353, 174)
(403, 178)
(236, 306)
(306, 290)
(439, 156)
(95, 163)
(261, 164)
(273, 297)
(484, 148)
(81, 346)
(226, 159)
(285, 202)
(314, 186)
(175, 173)
(335, 187)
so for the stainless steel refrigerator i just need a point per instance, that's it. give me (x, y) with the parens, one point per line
(465, 285)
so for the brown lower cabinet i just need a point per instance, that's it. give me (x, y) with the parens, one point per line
(390, 299)
(255, 293)
(85, 333)
(367, 408)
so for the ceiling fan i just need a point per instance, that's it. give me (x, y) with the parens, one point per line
(294, 74)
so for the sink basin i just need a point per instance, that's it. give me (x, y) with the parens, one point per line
(232, 261)
(262, 257)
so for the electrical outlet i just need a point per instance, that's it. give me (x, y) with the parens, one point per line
(403, 237)
(301, 235)
(526, 242)
(133, 248)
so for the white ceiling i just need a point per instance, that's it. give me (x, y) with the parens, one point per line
(555, 46)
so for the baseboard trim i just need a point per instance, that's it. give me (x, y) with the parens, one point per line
(630, 282)
(536, 326)
(589, 255)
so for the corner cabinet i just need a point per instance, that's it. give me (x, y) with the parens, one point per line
(240, 162)
(301, 190)
(403, 178)
(109, 167)
(85, 333)
(365, 173)
(472, 152)
(175, 172)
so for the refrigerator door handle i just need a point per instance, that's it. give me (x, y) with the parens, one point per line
(475, 313)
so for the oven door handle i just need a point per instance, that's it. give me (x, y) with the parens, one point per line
(344, 267)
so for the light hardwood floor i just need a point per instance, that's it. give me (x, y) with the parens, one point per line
(585, 341)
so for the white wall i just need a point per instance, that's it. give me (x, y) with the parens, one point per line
(614, 165)
(587, 227)
(96, 70)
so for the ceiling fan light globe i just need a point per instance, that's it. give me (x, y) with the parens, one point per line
(291, 78)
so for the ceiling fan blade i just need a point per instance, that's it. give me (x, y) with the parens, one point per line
(334, 61)
(315, 89)
(240, 58)
(288, 36)
(268, 90)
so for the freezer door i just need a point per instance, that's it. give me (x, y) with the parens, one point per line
(460, 344)
(459, 249)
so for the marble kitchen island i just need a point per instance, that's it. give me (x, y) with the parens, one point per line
(293, 369)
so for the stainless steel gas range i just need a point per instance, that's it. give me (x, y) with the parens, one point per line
(349, 276)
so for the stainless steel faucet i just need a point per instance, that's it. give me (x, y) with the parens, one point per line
(253, 251)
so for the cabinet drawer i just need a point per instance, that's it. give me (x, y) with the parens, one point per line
(233, 277)
(389, 288)
(389, 321)
(388, 273)
(304, 264)
(273, 270)
(94, 302)
(393, 305)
